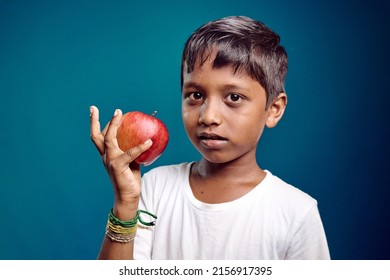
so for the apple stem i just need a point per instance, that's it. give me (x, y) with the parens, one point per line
(155, 112)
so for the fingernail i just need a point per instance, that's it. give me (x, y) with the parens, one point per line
(148, 142)
(90, 111)
(116, 112)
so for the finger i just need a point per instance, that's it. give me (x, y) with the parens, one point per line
(96, 136)
(105, 129)
(130, 155)
(110, 136)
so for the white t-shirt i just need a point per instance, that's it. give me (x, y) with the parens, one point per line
(273, 221)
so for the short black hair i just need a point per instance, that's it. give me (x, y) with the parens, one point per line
(245, 44)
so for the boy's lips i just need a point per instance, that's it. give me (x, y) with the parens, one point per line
(212, 140)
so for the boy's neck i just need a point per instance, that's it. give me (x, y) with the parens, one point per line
(224, 182)
(206, 169)
(234, 170)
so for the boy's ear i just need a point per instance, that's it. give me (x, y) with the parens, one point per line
(276, 110)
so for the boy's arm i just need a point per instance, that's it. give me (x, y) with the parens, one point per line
(126, 182)
(111, 250)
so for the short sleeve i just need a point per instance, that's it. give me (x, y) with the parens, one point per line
(309, 242)
(144, 238)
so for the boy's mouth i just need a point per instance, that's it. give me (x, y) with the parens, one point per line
(211, 136)
(212, 140)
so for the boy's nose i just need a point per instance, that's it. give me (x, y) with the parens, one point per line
(210, 113)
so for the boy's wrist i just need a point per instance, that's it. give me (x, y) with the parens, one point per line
(125, 210)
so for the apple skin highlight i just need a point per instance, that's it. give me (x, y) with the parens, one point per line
(136, 128)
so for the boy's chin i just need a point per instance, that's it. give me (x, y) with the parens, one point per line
(216, 159)
(219, 157)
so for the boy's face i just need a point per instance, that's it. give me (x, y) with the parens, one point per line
(224, 113)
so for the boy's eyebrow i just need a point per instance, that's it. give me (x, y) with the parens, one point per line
(227, 87)
(233, 87)
(191, 84)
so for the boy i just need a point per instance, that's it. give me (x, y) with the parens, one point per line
(223, 206)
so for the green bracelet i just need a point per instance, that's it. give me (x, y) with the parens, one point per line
(131, 223)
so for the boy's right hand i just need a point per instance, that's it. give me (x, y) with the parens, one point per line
(124, 173)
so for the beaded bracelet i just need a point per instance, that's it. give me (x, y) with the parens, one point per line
(122, 238)
(124, 231)
(133, 222)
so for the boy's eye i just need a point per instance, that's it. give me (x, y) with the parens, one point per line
(234, 98)
(195, 96)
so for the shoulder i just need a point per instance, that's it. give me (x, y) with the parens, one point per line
(277, 185)
(167, 171)
(162, 184)
(167, 177)
(287, 196)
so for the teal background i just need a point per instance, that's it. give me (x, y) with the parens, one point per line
(59, 57)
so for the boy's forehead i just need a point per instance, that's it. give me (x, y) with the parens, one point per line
(226, 78)
(209, 63)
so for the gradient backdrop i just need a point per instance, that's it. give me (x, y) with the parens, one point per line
(59, 57)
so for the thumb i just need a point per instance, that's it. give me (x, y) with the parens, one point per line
(130, 155)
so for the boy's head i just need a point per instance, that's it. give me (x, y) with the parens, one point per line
(246, 45)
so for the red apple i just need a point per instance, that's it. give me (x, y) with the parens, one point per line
(136, 128)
